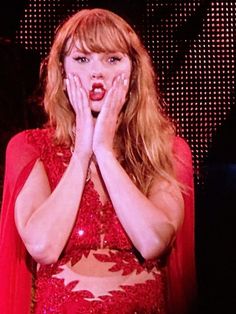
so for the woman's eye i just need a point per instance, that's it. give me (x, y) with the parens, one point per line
(81, 59)
(114, 59)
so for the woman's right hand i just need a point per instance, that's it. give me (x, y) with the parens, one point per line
(84, 127)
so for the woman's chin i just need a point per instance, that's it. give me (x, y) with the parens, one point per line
(96, 106)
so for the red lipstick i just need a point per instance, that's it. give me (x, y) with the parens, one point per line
(97, 92)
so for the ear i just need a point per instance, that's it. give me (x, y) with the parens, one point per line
(62, 69)
(64, 84)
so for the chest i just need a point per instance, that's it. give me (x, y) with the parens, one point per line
(97, 225)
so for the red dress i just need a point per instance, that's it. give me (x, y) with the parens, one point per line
(99, 271)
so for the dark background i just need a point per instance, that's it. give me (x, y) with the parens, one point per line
(192, 44)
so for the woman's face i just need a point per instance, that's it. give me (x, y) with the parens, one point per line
(97, 72)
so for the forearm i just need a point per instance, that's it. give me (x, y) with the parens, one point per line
(148, 227)
(48, 228)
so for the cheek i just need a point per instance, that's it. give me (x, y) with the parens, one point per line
(127, 70)
(66, 65)
(68, 69)
(124, 69)
(71, 67)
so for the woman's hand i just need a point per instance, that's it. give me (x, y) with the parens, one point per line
(84, 128)
(106, 123)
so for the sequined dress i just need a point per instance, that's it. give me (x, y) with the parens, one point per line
(99, 270)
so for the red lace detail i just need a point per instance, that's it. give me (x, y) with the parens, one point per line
(97, 227)
(59, 299)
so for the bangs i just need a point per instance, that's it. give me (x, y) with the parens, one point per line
(99, 33)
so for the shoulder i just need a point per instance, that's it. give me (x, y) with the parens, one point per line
(181, 150)
(17, 143)
(23, 149)
(28, 142)
(181, 146)
(31, 137)
(182, 160)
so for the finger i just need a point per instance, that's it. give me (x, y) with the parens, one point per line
(82, 95)
(118, 93)
(112, 93)
(76, 94)
(69, 92)
(70, 89)
(122, 92)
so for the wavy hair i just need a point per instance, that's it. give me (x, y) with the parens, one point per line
(144, 132)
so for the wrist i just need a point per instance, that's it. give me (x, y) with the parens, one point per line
(82, 157)
(84, 154)
(103, 155)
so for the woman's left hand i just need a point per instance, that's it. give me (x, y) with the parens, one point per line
(106, 123)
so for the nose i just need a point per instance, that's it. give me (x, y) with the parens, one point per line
(96, 75)
(97, 69)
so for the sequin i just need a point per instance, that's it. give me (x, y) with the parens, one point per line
(98, 271)
(80, 232)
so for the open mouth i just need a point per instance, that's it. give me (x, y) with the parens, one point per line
(97, 92)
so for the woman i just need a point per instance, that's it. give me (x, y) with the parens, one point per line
(97, 199)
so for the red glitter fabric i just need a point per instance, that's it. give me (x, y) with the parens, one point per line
(107, 277)
(99, 271)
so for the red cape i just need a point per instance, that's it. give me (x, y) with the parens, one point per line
(16, 265)
(181, 263)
